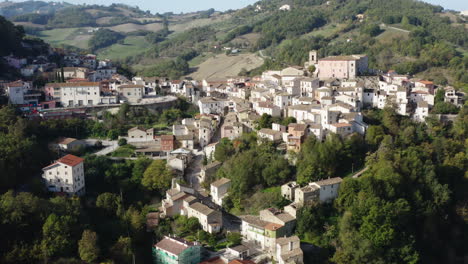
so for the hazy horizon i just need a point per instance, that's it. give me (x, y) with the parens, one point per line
(179, 6)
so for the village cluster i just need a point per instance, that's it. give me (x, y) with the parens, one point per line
(327, 100)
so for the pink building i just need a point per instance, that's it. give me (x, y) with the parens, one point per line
(342, 67)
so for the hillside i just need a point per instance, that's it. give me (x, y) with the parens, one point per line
(405, 35)
(11, 9)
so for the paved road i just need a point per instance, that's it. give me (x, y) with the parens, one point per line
(399, 29)
(359, 173)
(193, 170)
(110, 145)
(262, 55)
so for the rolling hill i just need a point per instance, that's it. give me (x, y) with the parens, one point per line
(409, 36)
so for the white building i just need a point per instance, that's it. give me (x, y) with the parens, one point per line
(343, 67)
(138, 134)
(212, 105)
(322, 191)
(421, 112)
(219, 190)
(288, 250)
(65, 175)
(16, 92)
(131, 93)
(269, 134)
(76, 94)
(266, 108)
(210, 220)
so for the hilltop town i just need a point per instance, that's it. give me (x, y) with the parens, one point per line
(340, 138)
(284, 107)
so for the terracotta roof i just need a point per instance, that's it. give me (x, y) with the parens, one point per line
(167, 137)
(272, 226)
(70, 160)
(341, 125)
(173, 245)
(238, 261)
(265, 104)
(426, 82)
(215, 260)
(297, 127)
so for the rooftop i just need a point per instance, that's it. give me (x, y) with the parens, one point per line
(238, 261)
(71, 85)
(329, 181)
(201, 208)
(71, 160)
(173, 245)
(130, 86)
(269, 131)
(66, 141)
(341, 125)
(342, 58)
(220, 182)
(286, 240)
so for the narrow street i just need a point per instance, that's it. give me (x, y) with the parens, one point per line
(109, 146)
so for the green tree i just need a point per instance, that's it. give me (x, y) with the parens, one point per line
(157, 176)
(88, 247)
(234, 238)
(122, 142)
(108, 202)
(121, 251)
(56, 233)
(224, 150)
(265, 121)
(374, 135)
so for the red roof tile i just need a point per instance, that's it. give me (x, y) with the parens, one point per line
(70, 160)
(238, 261)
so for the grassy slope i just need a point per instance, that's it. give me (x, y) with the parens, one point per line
(68, 36)
(221, 66)
(132, 46)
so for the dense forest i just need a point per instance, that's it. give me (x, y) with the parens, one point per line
(408, 207)
(103, 38)
(108, 223)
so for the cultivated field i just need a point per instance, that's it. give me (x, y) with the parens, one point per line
(69, 36)
(187, 24)
(391, 33)
(221, 66)
(132, 46)
(129, 27)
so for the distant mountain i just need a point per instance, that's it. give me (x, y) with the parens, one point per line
(10, 9)
(405, 35)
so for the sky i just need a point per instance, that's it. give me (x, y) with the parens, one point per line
(177, 6)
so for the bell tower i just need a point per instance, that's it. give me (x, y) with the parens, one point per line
(313, 57)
